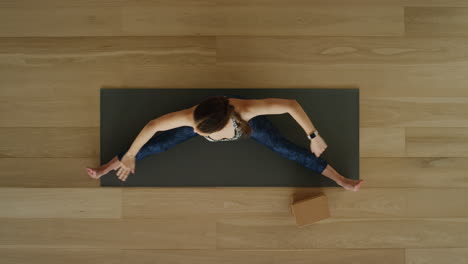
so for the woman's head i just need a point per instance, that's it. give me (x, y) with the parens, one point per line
(213, 113)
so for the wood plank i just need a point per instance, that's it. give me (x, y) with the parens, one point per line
(30, 111)
(58, 3)
(102, 52)
(368, 202)
(60, 21)
(437, 141)
(57, 66)
(436, 255)
(306, 50)
(69, 81)
(372, 79)
(437, 203)
(413, 172)
(404, 202)
(60, 255)
(435, 3)
(239, 201)
(60, 203)
(167, 233)
(169, 202)
(193, 18)
(114, 256)
(57, 81)
(47, 172)
(381, 142)
(181, 76)
(436, 21)
(280, 232)
(51, 142)
(414, 112)
(258, 18)
(325, 256)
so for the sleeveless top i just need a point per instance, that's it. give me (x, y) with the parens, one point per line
(237, 135)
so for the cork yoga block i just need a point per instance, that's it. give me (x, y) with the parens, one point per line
(310, 210)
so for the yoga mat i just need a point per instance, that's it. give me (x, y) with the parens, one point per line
(198, 162)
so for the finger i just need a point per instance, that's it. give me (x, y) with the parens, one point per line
(119, 171)
(126, 175)
(124, 172)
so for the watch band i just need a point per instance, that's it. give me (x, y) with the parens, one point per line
(312, 135)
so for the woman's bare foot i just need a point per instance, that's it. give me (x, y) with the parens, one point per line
(349, 184)
(96, 173)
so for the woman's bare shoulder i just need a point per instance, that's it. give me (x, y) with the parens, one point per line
(240, 105)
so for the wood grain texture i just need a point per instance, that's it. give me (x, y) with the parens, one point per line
(280, 232)
(436, 255)
(437, 141)
(220, 202)
(60, 203)
(167, 233)
(414, 112)
(138, 18)
(256, 18)
(413, 172)
(49, 111)
(47, 172)
(326, 256)
(309, 50)
(51, 142)
(60, 255)
(381, 142)
(435, 3)
(436, 21)
(372, 79)
(60, 21)
(102, 52)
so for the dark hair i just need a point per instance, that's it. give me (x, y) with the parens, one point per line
(213, 113)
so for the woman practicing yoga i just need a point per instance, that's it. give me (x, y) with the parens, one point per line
(227, 118)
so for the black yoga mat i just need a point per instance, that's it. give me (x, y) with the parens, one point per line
(198, 162)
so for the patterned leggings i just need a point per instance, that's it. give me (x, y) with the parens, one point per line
(263, 132)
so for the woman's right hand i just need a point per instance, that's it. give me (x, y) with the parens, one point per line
(127, 165)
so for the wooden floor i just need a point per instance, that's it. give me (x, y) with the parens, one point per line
(408, 57)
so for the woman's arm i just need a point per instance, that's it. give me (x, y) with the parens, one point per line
(275, 106)
(298, 113)
(162, 123)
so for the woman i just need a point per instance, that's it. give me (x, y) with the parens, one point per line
(227, 118)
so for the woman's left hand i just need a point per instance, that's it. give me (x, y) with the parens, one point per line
(318, 145)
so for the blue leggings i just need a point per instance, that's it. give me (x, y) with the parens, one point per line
(263, 132)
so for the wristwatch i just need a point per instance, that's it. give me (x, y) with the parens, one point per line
(312, 135)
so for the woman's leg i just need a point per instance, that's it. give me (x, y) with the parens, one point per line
(160, 142)
(264, 132)
(163, 141)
